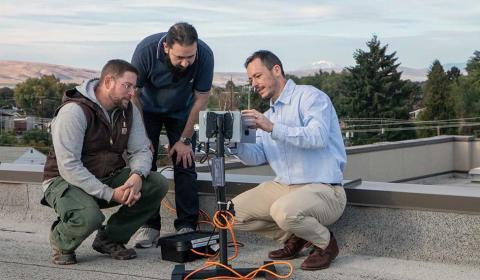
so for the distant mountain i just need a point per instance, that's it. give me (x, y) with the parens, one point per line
(14, 72)
(221, 78)
(408, 73)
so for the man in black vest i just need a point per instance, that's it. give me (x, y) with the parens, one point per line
(93, 131)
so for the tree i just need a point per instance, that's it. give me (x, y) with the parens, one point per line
(454, 74)
(466, 93)
(373, 89)
(473, 64)
(438, 101)
(6, 97)
(256, 102)
(40, 96)
(329, 82)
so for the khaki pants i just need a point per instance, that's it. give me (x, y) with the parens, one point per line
(278, 211)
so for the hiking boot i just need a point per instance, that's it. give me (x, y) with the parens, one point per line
(59, 256)
(320, 258)
(146, 237)
(292, 247)
(116, 250)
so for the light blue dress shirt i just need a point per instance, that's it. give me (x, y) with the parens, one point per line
(306, 144)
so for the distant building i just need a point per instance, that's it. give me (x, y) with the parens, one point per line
(21, 155)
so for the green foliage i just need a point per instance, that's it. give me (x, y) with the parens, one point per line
(329, 82)
(8, 139)
(373, 89)
(36, 137)
(438, 101)
(473, 64)
(454, 74)
(221, 98)
(6, 97)
(466, 94)
(256, 102)
(40, 96)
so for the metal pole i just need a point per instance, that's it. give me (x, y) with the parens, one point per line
(220, 190)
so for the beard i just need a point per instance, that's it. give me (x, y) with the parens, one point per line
(119, 102)
(177, 71)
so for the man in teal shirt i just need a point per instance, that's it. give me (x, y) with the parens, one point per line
(175, 76)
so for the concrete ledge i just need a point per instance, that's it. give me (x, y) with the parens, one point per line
(379, 194)
(407, 143)
(461, 199)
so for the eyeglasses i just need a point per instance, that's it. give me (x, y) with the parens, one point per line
(129, 86)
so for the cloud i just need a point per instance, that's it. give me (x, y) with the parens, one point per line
(302, 31)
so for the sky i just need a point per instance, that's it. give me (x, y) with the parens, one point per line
(88, 33)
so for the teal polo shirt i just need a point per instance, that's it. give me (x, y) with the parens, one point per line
(161, 91)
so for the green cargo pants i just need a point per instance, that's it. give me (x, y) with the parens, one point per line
(79, 213)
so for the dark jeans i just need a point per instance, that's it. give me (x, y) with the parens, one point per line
(186, 188)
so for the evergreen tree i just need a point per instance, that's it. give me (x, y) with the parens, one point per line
(454, 74)
(467, 94)
(374, 90)
(374, 86)
(473, 64)
(437, 98)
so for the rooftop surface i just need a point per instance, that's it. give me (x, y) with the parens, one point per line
(26, 255)
(388, 231)
(375, 243)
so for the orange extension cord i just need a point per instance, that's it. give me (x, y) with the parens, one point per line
(225, 220)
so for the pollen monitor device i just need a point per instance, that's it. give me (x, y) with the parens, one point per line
(236, 128)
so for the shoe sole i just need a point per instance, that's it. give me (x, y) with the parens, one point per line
(122, 258)
(142, 246)
(321, 267)
(64, 262)
(284, 259)
(314, 268)
(307, 245)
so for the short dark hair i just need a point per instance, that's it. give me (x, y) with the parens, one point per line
(116, 68)
(182, 33)
(268, 59)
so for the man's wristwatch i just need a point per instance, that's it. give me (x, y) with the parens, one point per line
(186, 140)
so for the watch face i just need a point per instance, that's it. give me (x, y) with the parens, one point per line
(186, 141)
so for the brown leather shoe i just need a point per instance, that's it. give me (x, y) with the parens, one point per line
(320, 258)
(292, 247)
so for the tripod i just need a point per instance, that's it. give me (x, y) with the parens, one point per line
(220, 126)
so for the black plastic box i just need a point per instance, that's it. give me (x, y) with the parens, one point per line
(176, 248)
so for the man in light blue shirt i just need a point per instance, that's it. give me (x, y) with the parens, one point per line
(299, 136)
